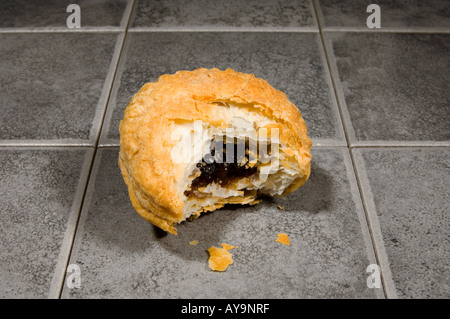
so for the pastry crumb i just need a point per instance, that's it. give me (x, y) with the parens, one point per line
(227, 247)
(194, 242)
(220, 258)
(283, 239)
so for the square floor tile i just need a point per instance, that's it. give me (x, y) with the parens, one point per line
(401, 14)
(394, 87)
(232, 14)
(54, 85)
(40, 193)
(408, 190)
(291, 62)
(53, 13)
(120, 255)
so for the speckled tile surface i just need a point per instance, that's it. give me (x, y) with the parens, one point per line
(39, 194)
(401, 14)
(123, 256)
(371, 222)
(233, 14)
(53, 94)
(391, 92)
(291, 62)
(409, 188)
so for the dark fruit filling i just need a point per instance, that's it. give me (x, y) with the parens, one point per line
(224, 168)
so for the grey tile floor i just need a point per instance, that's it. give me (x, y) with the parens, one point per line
(376, 103)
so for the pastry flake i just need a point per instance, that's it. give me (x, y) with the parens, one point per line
(283, 239)
(227, 246)
(219, 258)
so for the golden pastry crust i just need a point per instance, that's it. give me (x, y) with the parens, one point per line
(153, 179)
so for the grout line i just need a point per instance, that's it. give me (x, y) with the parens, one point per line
(366, 226)
(82, 215)
(112, 76)
(375, 228)
(314, 15)
(109, 146)
(56, 293)
(57, 280)
(386, 30)
(46, 143)
(125, 22)
(330, 72)
(45, 147)
(62, 30)
(362, 144)
(106, 92)
(224, 30)
(318, 142)
(339, 94)
(109, 143)
(132, 15)
(112, 103)
(340, 128)
(359, 205)
(319, 14)
(107, 115)
(92, 170)
(308, 29)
